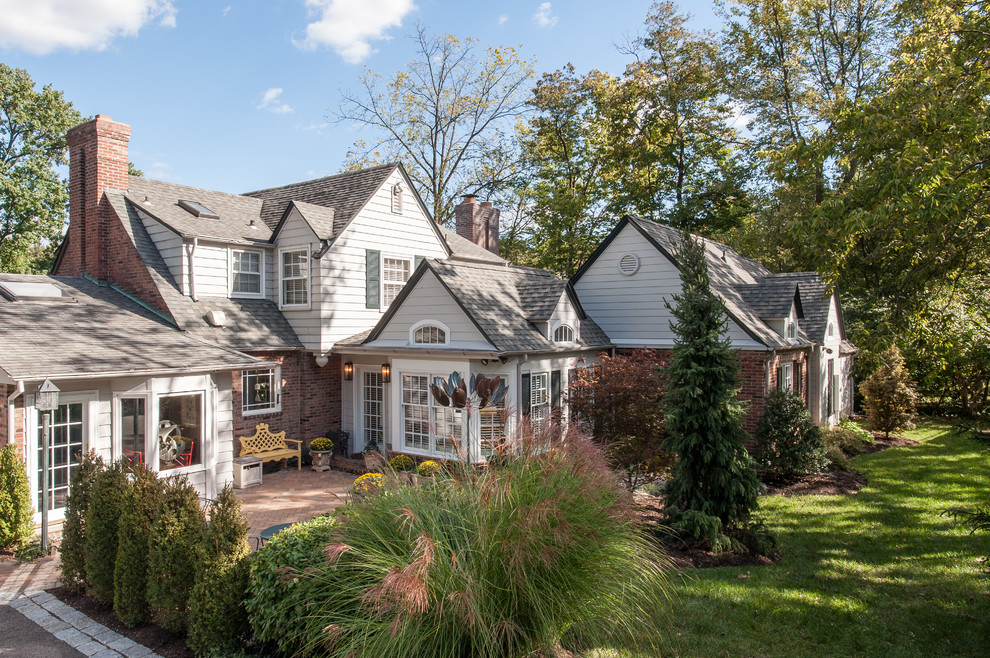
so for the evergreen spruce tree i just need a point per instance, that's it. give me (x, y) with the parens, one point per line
(218, 620)
(140, 506)
(713, 488)
(102, 523)
(176, 542)
(889, 395)
(72, 550)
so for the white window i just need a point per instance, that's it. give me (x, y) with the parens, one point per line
(261, 391)
(831, 330)
(395, 273)
(68, 440)
(416, 412)
(539, 398)
(791, 329)
(430, 335)
(785, 377)
(180, 430)
(295, 277)
(563, 334)
(246, 277)
(372, 407)
(492, 426)
(397, 199)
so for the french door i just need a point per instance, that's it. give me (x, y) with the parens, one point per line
(68, 441)
(372, 408)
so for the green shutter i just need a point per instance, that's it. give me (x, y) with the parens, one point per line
(373, 278)
(555, 389)
(524, 399)
(416, 261)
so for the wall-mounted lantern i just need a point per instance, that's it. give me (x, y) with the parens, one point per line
(386, 373)
(348, 371)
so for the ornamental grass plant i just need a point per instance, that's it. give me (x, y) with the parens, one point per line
(539, 553)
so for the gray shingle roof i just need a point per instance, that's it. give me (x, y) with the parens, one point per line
(161, 200)
(815, 302)
(464, 249)
(769, 297)
(501, 300)
(320, 218)
(252, 324)
(98, 330)
(346, 193)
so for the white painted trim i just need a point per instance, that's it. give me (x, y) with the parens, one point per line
(560, 323)
(429, 323)
(230, 273)
(305, 249)
(381, 276)
(277, 408)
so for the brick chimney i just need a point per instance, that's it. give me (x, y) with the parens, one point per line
(478, 223)
(97, 161)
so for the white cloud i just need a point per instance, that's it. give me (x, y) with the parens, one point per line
(271, 101)
(503, 19)
(42, 26)
(349, 26)
(543, 18)
(226, 10)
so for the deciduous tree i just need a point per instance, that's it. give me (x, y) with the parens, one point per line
(33, 197)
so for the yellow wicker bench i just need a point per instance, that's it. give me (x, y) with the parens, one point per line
(269, 446)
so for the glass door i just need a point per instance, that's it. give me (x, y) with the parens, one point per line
(68, 440)
(372, 408)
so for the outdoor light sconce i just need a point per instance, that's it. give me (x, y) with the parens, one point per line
(348, 371)
(386, 373)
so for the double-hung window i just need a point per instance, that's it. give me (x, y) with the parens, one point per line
(426, 425)
(785, 377)
(295, 277)
(246, 277)
(395, 273)
(539, 398)
(261, 391)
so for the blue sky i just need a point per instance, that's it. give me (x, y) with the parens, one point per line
(234, 95)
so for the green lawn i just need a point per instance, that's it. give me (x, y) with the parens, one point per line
(879, 573)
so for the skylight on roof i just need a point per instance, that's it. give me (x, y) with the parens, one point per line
(17, 291)
(198, 209)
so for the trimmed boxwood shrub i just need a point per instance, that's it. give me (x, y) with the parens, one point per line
(788, 443)
(218, 622)
(277, 593)
(72, 550)
(176, 539)
(137, 517)
(16, 509)
(102, 525)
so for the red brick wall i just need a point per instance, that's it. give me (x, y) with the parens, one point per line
(752, 377)
(18, 438)
(310, 398)
(4, 392)
(796, 356)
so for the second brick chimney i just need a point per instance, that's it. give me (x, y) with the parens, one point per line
(97, 161)
(478, 223)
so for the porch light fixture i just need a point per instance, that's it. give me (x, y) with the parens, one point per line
(386, 373)
(348, 371)
(484, 362)
(45, 401)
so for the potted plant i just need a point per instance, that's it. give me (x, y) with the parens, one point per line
(428, 471)
(403, 464)
(321, 449)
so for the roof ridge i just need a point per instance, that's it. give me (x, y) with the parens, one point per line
(182, 185)
(342, 174)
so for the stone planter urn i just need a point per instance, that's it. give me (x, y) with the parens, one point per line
(321, 459)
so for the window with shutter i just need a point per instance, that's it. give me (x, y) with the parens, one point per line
(373, 278)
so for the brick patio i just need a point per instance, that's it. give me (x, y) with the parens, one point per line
(288, 495)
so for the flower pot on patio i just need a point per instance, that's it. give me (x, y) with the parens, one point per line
(321, 459)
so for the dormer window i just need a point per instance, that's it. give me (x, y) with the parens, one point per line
(791, 333)
(831, 330)
(563, 334)
(397, 199)
(246, 275)
(429, 332)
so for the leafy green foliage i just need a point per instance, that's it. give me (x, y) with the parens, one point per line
(218, 621)
(788, 443)
(176, 541)
(540, 552)
(889, 395)
(72, 549)
(714, 474)
(620, 403)
(845, 440)
(32, 196)
(402, 463)
(16, 509)
(137, 516)
(278, 595)
(101, 530)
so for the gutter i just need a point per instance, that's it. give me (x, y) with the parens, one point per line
(139, 373)
(191, 255)
(18, 390)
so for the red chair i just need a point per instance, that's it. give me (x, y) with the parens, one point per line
(133, 457)
(185, 459)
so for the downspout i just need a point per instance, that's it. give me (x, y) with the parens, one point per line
(191, 255)
(18, 390)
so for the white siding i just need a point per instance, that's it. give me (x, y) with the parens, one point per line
(431, 301)
(343, 305)
(212, 267)
(170, 247)
(306, 322)
(631, 308)
(564, 313)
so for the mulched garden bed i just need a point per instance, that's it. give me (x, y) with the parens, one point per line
(162, 642)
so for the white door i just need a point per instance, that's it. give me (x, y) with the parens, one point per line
(371, 410)
(69, 439)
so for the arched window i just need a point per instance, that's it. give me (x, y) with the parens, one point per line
(397, 199)
(831, 330)
(430, 335)
(791, 329)
(563, 334)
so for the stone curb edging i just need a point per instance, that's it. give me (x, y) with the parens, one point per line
(76, 629)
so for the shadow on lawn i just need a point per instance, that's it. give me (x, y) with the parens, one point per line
(881, 572)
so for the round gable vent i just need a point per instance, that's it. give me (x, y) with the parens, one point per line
(629, 264)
